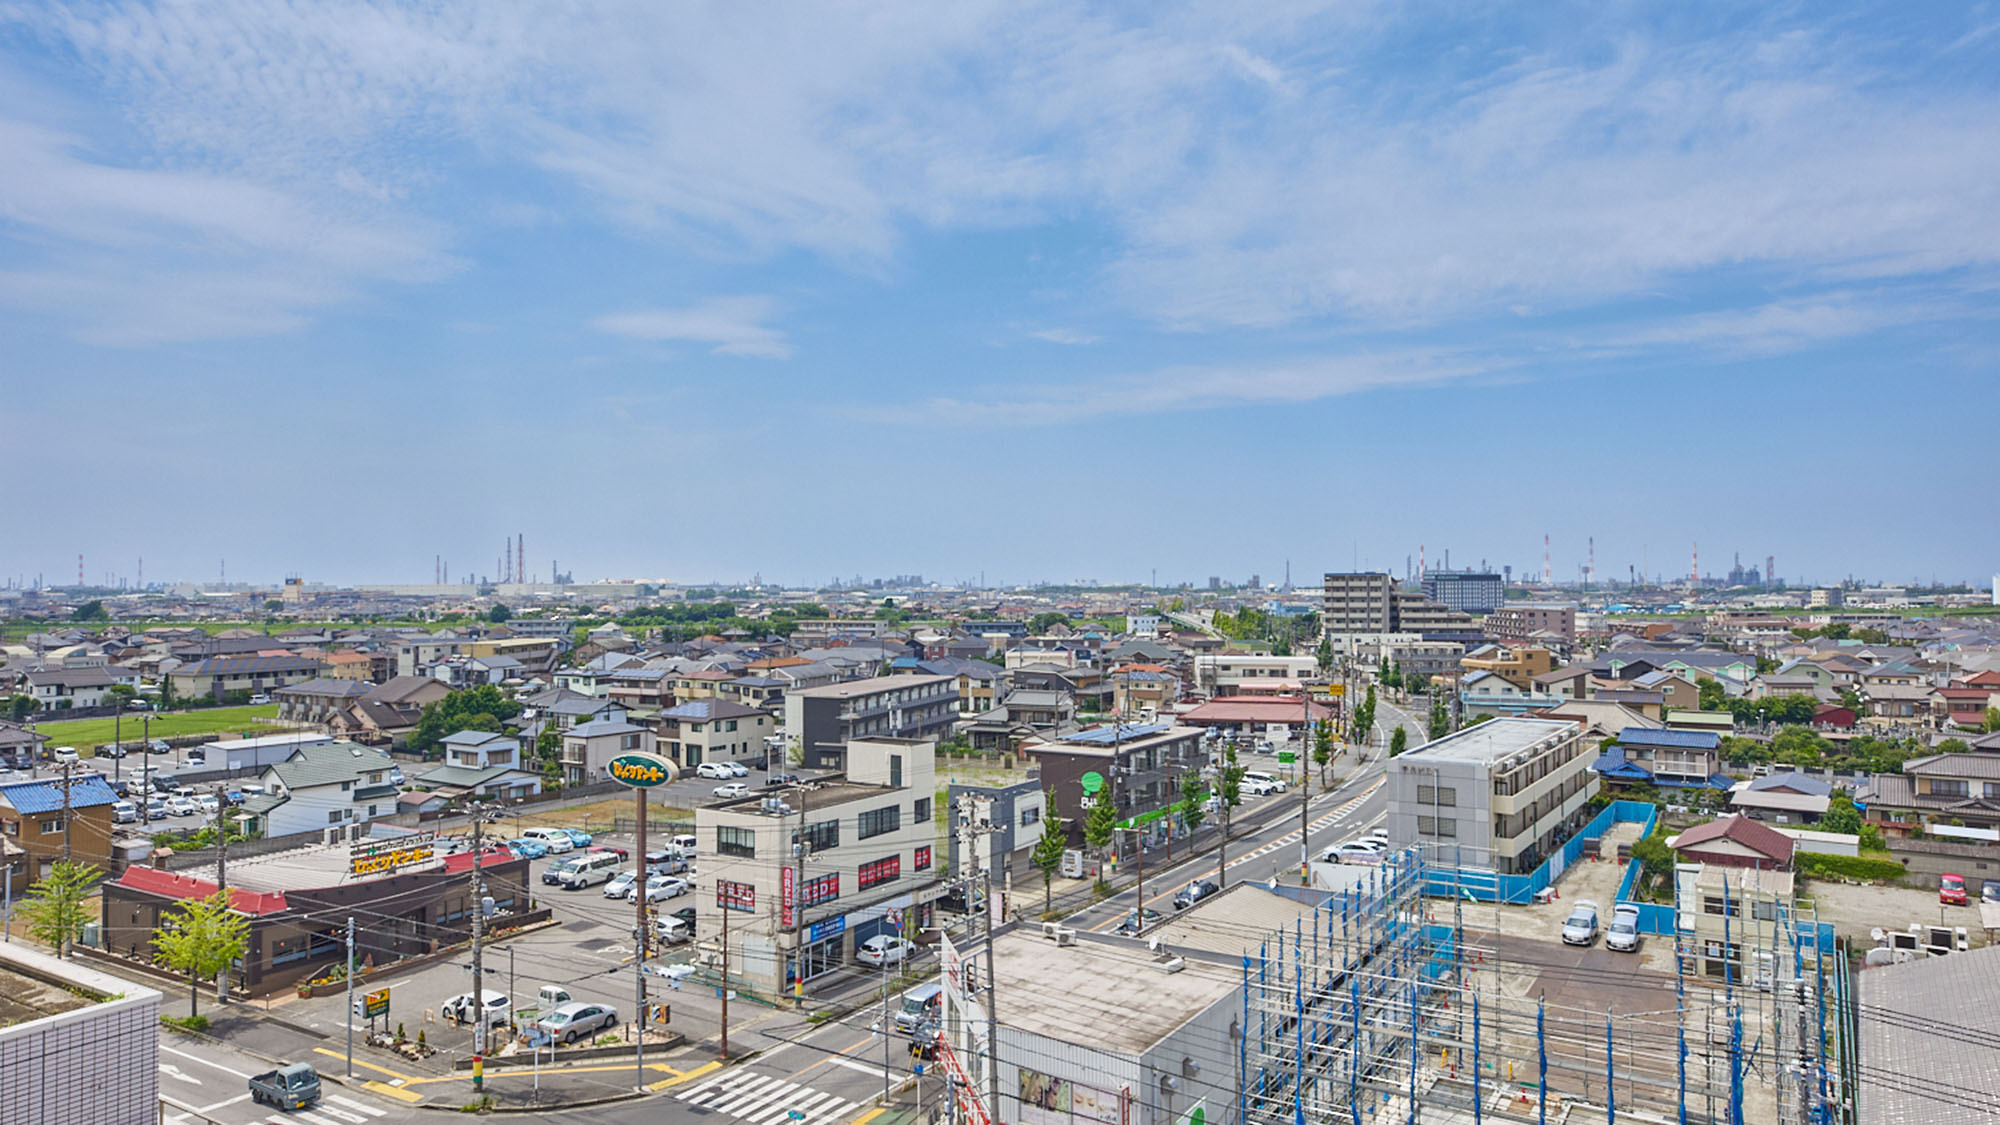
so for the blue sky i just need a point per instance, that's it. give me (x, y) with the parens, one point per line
(1040, 291)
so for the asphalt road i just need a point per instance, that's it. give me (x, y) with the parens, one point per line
(210, 1082)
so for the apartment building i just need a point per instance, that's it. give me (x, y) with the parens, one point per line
(1229, 673)
(218, 676)
(1468, 591)
(1518, 665)
(1502, 794)
(821, 720)
(814, 873)
(1138, 765)
(1532, 622)
(1364, 605)
(587, 748)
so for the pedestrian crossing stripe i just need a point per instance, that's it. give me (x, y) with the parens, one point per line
(761, 1099)
(331, 1109)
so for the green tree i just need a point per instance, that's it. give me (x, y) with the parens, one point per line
(1440, 724)
(1799, 746)
(1100, 824)
(482, 708)
(121, 694)
(1992, 721)
(1953, 746)
(1194, 793)
(1653, 854)
(89, 611)
(1851, 699)
(1043, 622)
(202, 939)
(1399, 740)
(168, 697)
(1713, 698)
(1323, 748)
(1324, 654)
(1229, 794)
(1048, 852)
(1841, 816)
(21, 706)
(54, 908)
(273, 605)
(499, 614)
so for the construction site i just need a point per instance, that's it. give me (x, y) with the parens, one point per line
(1384, 1005)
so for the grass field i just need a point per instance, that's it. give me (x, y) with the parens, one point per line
(86, 734)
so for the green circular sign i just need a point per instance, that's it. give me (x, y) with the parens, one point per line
(640, 770)
(1092, 782)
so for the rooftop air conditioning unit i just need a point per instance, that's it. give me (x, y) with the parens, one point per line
(1065, 937)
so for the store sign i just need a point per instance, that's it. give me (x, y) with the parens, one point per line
(640, 770)
(735, 896)
(788, 896)
(825, 928)
(374, 857)
(372, 1005)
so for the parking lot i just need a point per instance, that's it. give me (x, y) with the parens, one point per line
(1856, 909)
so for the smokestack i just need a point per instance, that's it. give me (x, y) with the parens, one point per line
(1548, 575)
(520, 557)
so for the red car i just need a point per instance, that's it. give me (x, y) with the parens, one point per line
(1951, 889)
(612, 848)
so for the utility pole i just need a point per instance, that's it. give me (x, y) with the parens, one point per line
(222, 888)
(66, 784)
(478, 971)
(1305, 780)
(639, 945)
(727, 910)
(799, 905)
(350, 996)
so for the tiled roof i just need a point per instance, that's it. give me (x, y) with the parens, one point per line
(1908, 1071)
(246, 665)
(1674, 739)
(321, 685)
(709, 710)
(1741, 830)
(330, 765)
(167, 884)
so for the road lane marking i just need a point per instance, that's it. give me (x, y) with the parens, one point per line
(690, 1076)
(208, 1109)
(205, 1062)
(361, 1062)
(396, 1092)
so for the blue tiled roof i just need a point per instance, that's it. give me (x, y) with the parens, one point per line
(1612, 764)
(47, 796)
(1678, 739)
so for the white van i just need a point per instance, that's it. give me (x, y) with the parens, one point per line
(1258, 784)
(684, 845)
(554, 839)
(124, 812)
(588, 870)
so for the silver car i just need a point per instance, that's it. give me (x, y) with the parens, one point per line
(1581, 929)
(576, 1019)
(1622, 934)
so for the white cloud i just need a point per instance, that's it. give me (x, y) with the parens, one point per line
(735, 325)
(1064, 336)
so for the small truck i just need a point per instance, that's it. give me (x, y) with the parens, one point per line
(295, 1086)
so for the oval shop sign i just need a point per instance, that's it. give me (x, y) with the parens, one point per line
(641, 770)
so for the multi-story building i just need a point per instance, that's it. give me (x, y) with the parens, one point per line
(1532, 622)
(1010, 819)
(587, 748)
(66, 689)
(1729, 918)
(1939, 787)
(1228, 673)
(319, 699)
(819, 720)
(324, 786)
(812, 873)
(1139, 766)
(78, 1045)
(1468, 591)
(1669, 758)
(478, 749)
(1358, 604)
(1501, 794)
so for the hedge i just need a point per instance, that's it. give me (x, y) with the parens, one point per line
(1815, 865)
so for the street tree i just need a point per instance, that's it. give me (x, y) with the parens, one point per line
(1440, 724)
(1229, 790)
(1100, 824)
(202, 939)
(1323, 748)
(1048, 853)
(54, 907)
(1399, 740)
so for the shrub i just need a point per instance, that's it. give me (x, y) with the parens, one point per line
(1813, 865)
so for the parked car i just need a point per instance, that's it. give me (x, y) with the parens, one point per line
(1365, 850)
(554, 840)
(577, 836)
(208, 803)
(883, 949)
(1194, 892)
(733, 789)
(673, 930)
(736, 769)
(112, 750)
(124, 812)
(621, 884)
(527, 849)
(958, 901)
(65, 755)
(159, 746)
(460, 1009)
(1951, 890)
(685, 914)
(778, 779)
(1581, 928)
(181, 806)
(660, 888)
(614, 849)
(574, 1020)
(715, 771)
(156, 808)
(1622, 934)
(1989, 891)
(668, 862)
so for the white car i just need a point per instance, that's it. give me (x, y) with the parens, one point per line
(718, 771)
(1581, 928)
(659, 888)
(1353, 851)
(554, 839)
(180, 806)
(733, 789)
(1622, 935)
(884, 950)
(620, 885)
(736, 769)
(1257, 786)
(208, 803)
(459, 1009)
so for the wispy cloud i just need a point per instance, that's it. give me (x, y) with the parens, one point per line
(735, 325)
(1064, 336)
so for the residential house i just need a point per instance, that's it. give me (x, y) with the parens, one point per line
(317, 700)
(766, 693)
(1489, 693)
(1721, 909)
(1942, 788)
(19, 745)
(1677, 692)
(1517, 664)
(1907, 702)
(588, 747)
(1965, 706)
(641, 688)
(1144, 690)
(453, 782)
(219, 676)
(1227, 673)
(1086, 686)
(980, 685)
(363, 667)
(710, 730)
(320, 787)
(67, 689)
(1039, 710)
(478, 749)
(33, 818)
(1573, 682)
(1665, 758)
(1735, 841)
(700, 683)
(1787, 797)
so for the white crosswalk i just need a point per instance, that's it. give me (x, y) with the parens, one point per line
(332, 1109)
(759, 1099)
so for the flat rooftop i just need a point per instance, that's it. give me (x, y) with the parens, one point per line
(1100, 994)
(301, 869)
(1492, 741)
(873, 686)
(821, 796)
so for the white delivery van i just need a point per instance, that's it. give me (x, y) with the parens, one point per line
(588, 870)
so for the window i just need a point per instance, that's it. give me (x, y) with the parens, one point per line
(921, 860)
(1030, 816)
(875, 822)
(1716, 904)
(819, 837)
(826, 888)
(895, 771)
(1948, 787)
(335, 816)
(736, 841)
(879, 872)
(921, 811)
(346, 785)
(1992, 789)
(731, 726)
(51, 827)
(371, 810)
